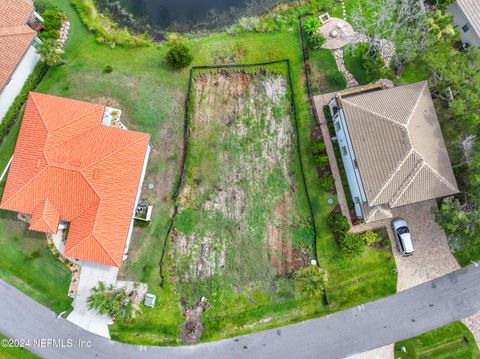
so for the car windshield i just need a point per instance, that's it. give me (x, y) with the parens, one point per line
(403, 230)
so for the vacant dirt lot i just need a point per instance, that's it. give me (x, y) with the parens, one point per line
(238, 225)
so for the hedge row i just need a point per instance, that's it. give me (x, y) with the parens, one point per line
(105, 30)
(33, 80)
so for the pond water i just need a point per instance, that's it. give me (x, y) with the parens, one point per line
(211, 13)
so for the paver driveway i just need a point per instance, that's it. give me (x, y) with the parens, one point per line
(432, 257)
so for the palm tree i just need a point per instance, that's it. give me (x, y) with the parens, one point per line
(50, 52)
(116, 303)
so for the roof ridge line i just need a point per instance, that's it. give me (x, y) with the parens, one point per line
(375, 113)
(416, 104)
(440, 177)
(397, 168)
(408, 181)
(96, 239)
(408, 184)
(26, 184)
(113, 153)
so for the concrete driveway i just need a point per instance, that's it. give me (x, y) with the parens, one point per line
(90, 275)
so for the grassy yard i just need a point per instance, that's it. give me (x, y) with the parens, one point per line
(325, 76)
(15, 353)
(152, 99)
(451, 341)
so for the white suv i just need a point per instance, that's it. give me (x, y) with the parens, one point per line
(402, 237)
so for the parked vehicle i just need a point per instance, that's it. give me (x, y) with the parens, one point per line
(402, 236)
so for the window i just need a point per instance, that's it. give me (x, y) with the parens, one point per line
(466, 27)
(36, 42)
(344, 151)
(338, 126)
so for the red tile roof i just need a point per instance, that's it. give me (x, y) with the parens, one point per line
(15, 35)
(67, 166)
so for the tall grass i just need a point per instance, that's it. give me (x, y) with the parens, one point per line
(106, 30)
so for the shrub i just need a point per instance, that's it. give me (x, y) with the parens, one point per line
(327, 183)
(34, 255)
(310, 281)
(321, 161)
(387, 243)
(114, 302)
(338, 223)
(32, 81)
(50, 52)
(179, 56)
(52, 23)
(318, 148)
(315, 40)
(336, 78)
(374, 65)
(371, 237)
(49, 35)
(107, 69)
(41, 6)
(352, 244)
(311, 25)
(173, 38)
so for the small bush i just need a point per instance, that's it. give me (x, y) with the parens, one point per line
(42, 6)
(374, 65)
(107, 69)
(52, 23)
(49, 35)
(387, 243)
(318, 148)
(336, 78)
(311, 25)
(338, 223)
(34, 255)
(327, 183)
(352, 244)
(179, 56)
(310, 281)
(321, 161)
(371, 237)
(315, 40)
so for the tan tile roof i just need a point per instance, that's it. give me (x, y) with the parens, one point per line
(15, 35)
(471, 10)
(376, 213)
(398, 145)
(67, 166)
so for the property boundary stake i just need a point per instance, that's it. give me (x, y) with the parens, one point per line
(181, 179)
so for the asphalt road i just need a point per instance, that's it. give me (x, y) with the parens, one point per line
(375, 324)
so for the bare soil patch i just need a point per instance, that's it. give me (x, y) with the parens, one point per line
(238, 214)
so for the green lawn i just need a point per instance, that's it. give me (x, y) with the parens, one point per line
(152, 99)
(14, 352)
(8, 145)
(451, 341)
(325, 76)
